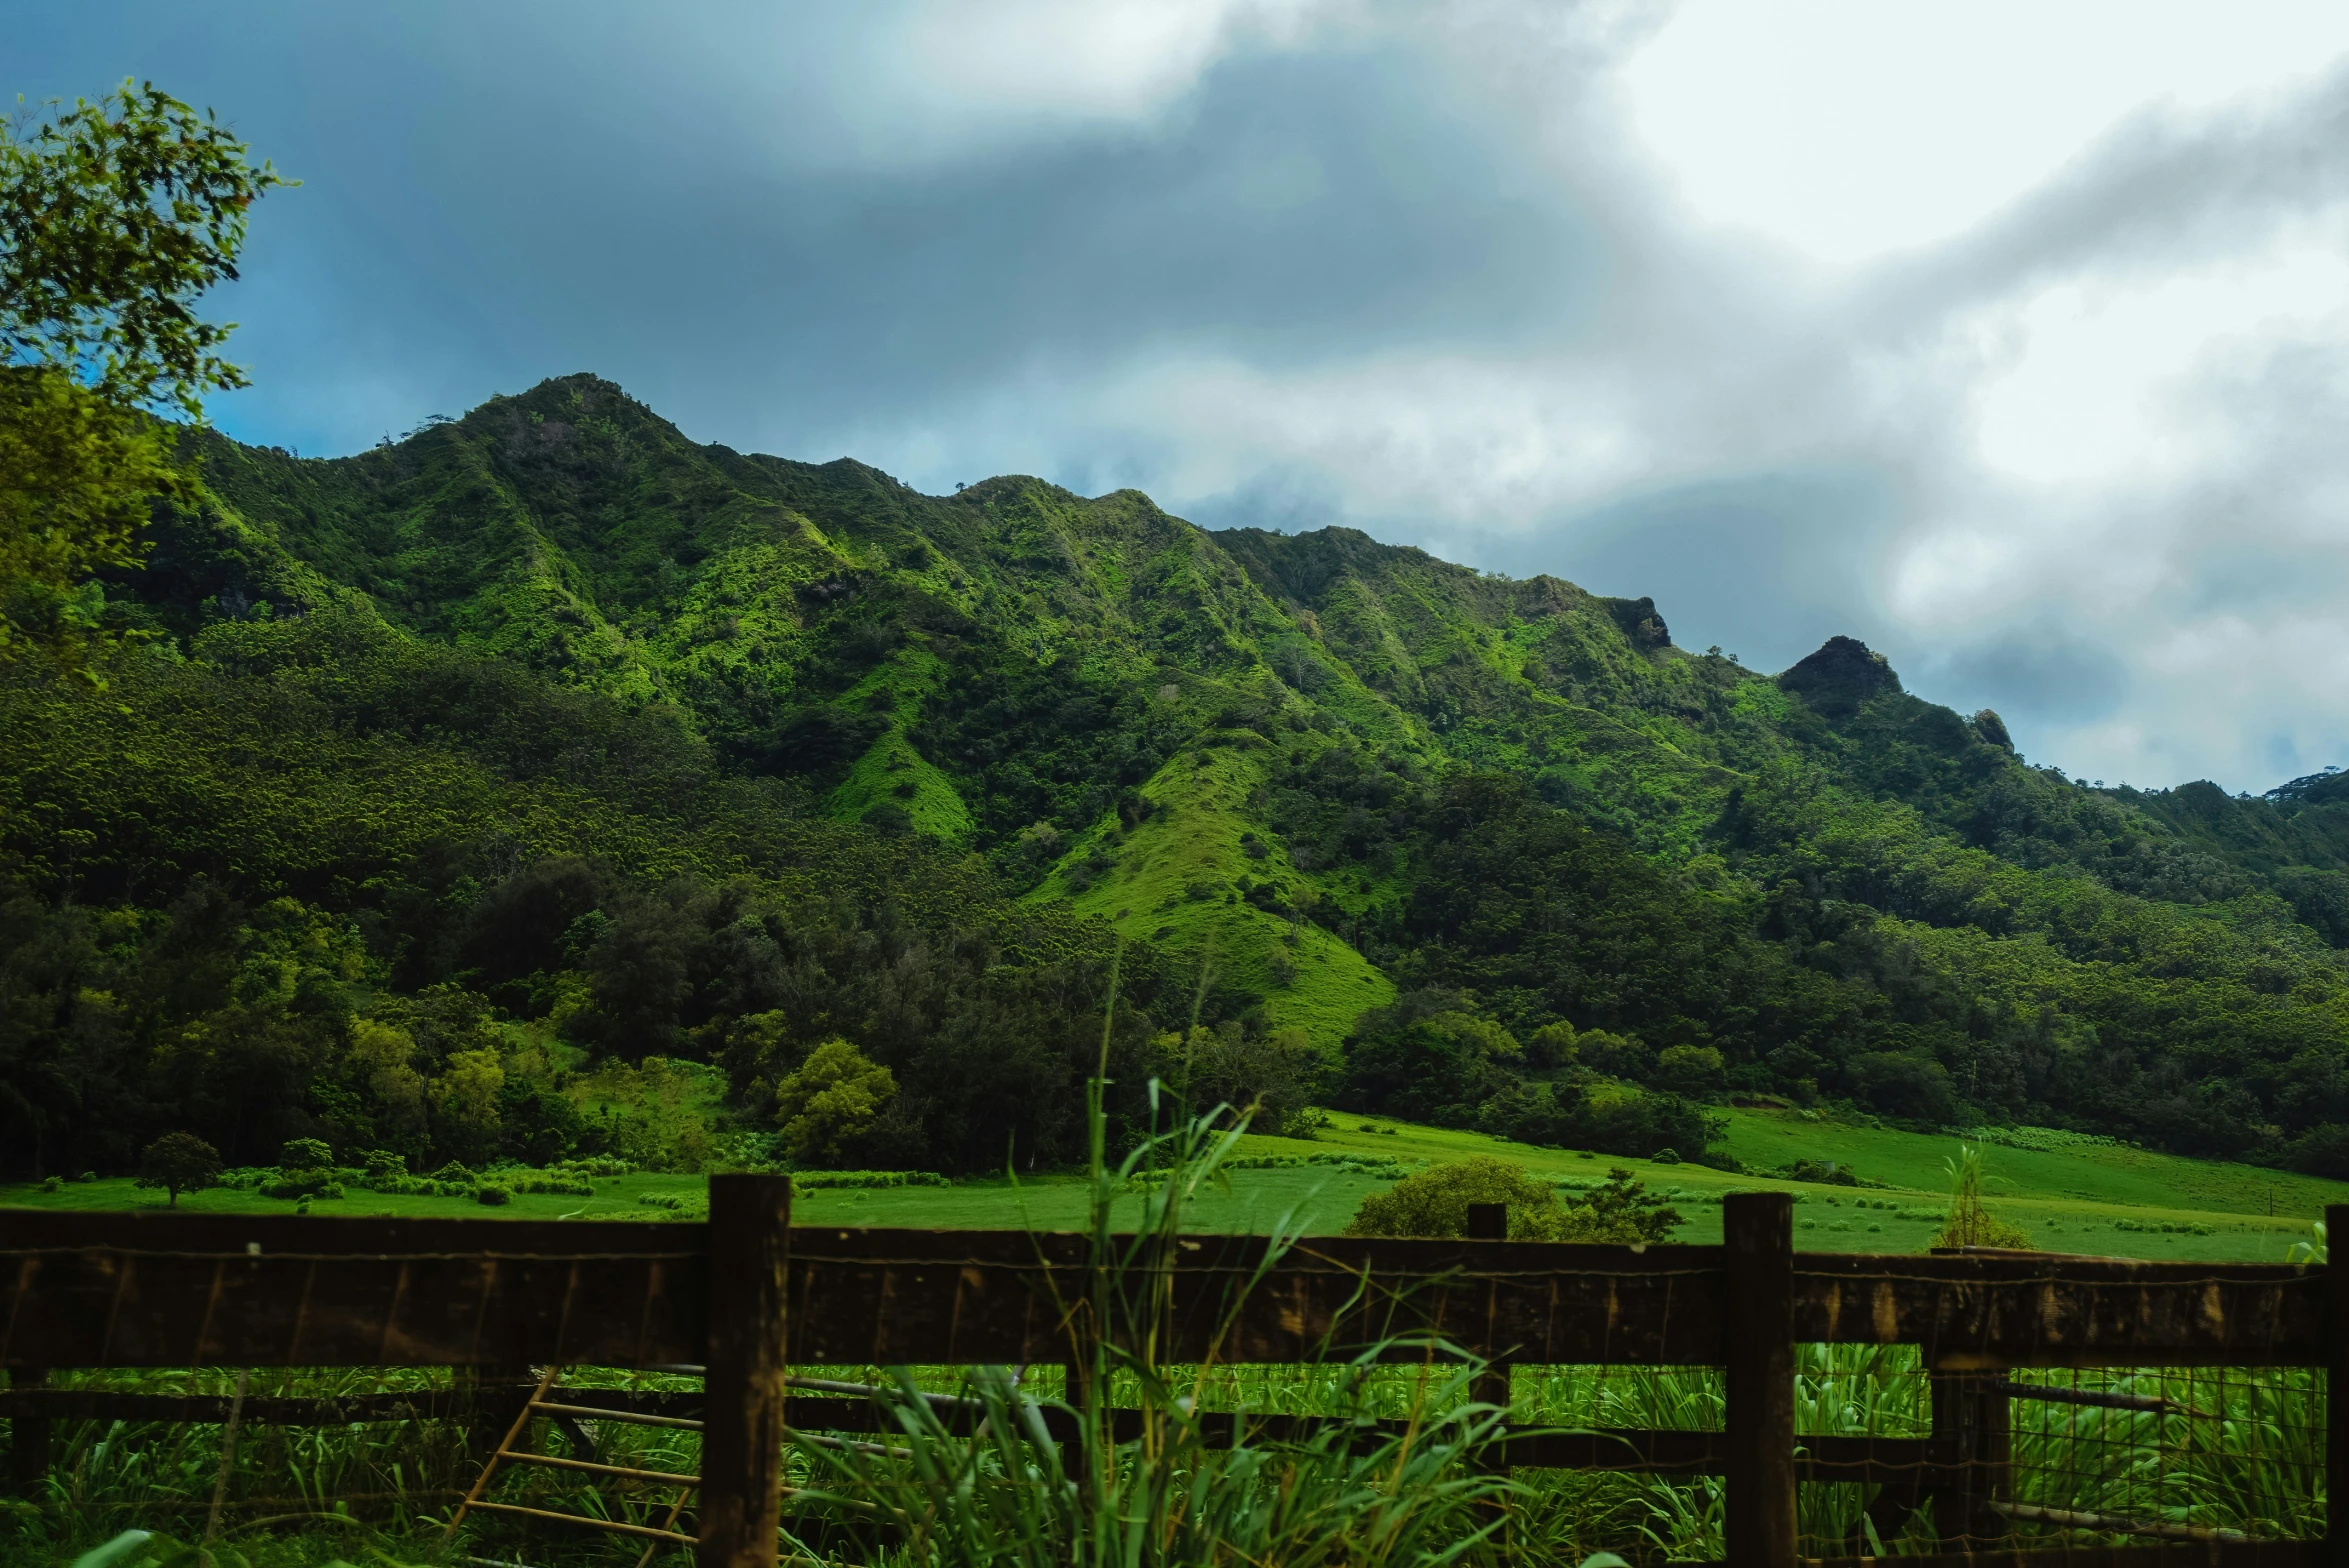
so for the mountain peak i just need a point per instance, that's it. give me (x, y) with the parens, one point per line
(1844, 674)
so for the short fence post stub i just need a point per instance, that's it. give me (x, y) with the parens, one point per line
(742, 1431)
(1490, 1222)
(2336, 1320)
(1758, 1244)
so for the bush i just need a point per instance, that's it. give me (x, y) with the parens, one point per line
(1969, 1223)
(1435, 1203)
(2045, 1140)
(382, 1170)
(558, 1182)
(812, 1181)
(305, 1154)
(491, 1195)
(317, 1183)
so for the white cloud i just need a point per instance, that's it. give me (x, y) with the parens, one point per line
(1850, 128)
(916, 83)
(2105, 381)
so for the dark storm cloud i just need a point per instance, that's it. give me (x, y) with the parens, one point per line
(489, 200)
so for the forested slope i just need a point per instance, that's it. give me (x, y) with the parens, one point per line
(547, 737)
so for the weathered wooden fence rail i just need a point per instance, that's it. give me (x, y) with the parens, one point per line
(746, 1295)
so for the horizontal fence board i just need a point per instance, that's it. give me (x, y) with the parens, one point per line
(158, 1289)
(68, 1404)
(225, 1290)
(1989, 1312)
(880, 1297)
(315, 1235)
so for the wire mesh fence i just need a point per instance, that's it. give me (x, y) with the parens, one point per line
(2054, 1459)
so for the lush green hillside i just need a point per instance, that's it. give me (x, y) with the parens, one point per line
(550, 734)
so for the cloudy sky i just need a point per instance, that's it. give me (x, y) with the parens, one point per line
(2012, 338)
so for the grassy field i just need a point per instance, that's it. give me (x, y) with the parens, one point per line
(2239, 1450)
(2109, 1200)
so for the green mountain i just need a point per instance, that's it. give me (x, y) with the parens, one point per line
(546, 738)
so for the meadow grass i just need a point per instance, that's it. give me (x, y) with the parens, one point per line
(2109, 1200)
(2240, 1449)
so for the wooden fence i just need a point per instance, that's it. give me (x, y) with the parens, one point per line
(746, 1296)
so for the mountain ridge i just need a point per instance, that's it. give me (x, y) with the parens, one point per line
(1489, 850)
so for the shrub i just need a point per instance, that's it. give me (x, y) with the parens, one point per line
(1435, 1203)
(383, 1170)
(305, 1154)
(812, 1181)
(2045, 1140)
(318, 1183)
(491, 1194)
(559, 1182)
(1969, 1223)
(1830, 1172)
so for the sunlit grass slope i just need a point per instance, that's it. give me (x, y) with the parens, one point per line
(1187, 877)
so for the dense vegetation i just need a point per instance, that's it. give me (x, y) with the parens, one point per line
(427, 781)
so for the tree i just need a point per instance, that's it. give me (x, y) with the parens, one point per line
(465, 1118)
(179, 1162)
(115, 218)
(76, 475)
(836, 1095)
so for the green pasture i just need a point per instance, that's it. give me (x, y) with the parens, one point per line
(2109, 1200)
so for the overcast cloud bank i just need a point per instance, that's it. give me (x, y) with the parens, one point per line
(2013, 346)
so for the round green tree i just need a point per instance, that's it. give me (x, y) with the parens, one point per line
(835, 1096)
(179, 1162)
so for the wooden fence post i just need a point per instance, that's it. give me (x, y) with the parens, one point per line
(2336, 1545)
(1971, 1447)
(1758, 1238)
(742, 1430)
(1490, 1222)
